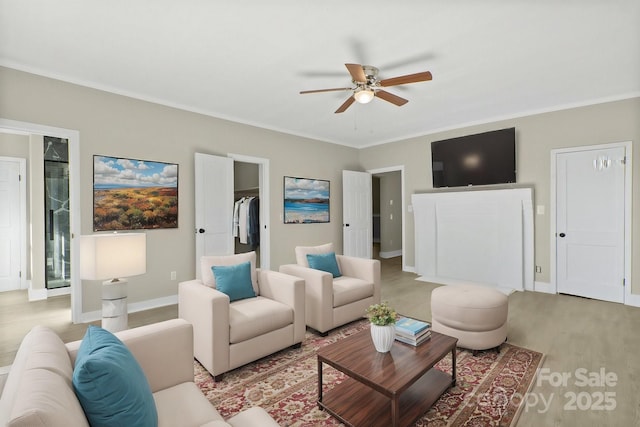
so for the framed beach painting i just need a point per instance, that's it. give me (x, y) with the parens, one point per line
(131, 194)
(306, 200)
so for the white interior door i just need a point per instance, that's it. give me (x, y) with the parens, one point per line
(357, 221)
(9, 225)
(590, 193)
(214, 206)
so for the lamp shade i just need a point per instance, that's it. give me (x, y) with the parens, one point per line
(111, 256)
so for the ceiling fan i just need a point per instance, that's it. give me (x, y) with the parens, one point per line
(367, 86)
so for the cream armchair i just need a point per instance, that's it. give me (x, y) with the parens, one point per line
(229, 334)
(332, 302)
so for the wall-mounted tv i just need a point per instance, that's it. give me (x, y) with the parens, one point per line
(480, 159)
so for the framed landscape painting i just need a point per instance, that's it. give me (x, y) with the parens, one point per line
(131, 194)
(306, 200)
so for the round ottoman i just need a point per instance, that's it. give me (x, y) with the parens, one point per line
(474, 314)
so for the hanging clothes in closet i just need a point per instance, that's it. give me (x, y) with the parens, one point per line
(246, 221)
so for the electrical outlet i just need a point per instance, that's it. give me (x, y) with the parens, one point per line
(538, 269)
(173, 275)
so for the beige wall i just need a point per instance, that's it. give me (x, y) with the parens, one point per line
(245, 176)
(536, 136)
(119, 126)
(12, 145)
(115, 125)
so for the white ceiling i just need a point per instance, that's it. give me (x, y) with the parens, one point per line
(246, 60)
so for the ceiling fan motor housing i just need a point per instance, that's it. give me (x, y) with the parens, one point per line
(371, 73)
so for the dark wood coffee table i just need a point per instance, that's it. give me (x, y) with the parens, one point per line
(385, 389)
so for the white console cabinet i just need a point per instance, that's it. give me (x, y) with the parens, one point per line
(477, 236)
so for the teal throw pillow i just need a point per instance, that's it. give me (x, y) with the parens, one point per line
(234, 280)
(110, 384)
(325, 262)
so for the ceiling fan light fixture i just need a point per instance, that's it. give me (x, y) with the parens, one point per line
(364, 95)
(367, 86)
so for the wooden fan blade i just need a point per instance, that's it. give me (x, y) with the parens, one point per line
(325, 90)
(346, 105)
(357, 73)
(389, 97)
(409, 78)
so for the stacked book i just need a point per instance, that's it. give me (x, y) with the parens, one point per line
(412, 331)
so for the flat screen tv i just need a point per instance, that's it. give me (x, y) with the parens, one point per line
(480, 159)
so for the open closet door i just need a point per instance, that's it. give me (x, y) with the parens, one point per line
(214, 206)
(357, 221)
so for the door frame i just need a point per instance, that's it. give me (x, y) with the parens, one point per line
(73, 137)
(22, 194)
(629, 299)
(265, 206)
(399, 168)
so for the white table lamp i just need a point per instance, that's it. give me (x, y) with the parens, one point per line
(113, 257)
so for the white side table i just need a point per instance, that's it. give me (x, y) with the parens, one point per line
(114, 305)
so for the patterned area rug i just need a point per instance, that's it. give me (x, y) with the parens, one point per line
(489, 391)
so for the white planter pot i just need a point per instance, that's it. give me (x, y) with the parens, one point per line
(383, 337)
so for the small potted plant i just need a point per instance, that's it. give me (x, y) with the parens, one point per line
(383, 331)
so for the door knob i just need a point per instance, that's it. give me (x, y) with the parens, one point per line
(201, 230)
(561, 234)
(346, 225)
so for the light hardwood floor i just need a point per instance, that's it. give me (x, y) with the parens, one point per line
(579, 337)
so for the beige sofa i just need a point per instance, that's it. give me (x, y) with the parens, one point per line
(39, 392)
(332, 302)
(229, 334)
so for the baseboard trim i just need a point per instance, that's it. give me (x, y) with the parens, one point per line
(37, 294)
(543, 287)
(42, 294)
(632, 300)
(391, 254)
(153, 303)
(59, 291)
(92, 316)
